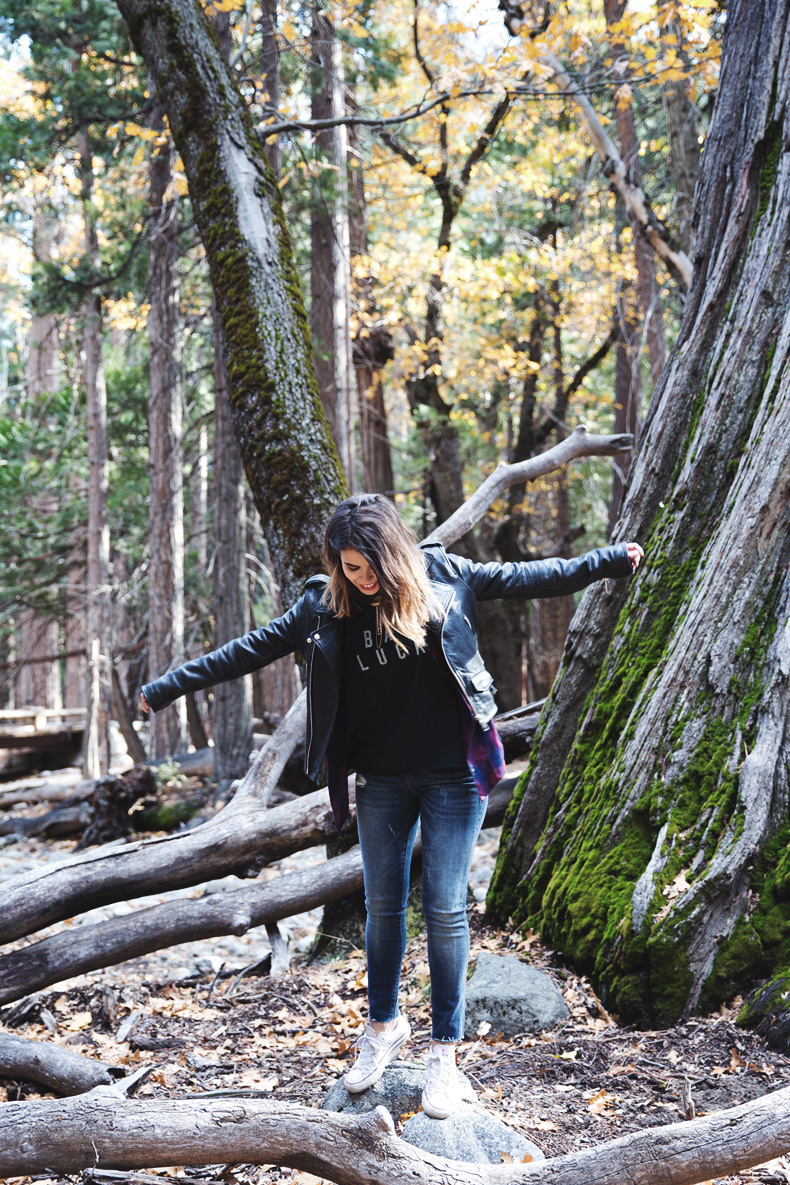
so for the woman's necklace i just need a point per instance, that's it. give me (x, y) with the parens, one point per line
(379, 626)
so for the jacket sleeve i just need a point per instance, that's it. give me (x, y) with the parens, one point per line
(239, 657)
(543, 578)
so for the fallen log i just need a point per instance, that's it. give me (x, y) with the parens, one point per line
(105, 1129)
(59, 1069)
(68, 818)
(34, 791)
(244, 835)
(81, 949)
(242, 838)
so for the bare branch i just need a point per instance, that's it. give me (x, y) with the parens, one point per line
(404, 153)
(106, 1128)
(244, 33)
(593, 361)
(551, 421)
(417, 51)
(580, 443)
(634, 198)
(485, 138)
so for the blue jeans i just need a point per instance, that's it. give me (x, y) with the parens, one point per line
(450, 812)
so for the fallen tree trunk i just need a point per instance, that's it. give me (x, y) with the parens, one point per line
(52, 1066)
(79, 950)
(105, 1129)
(68, 818)
(246, 833)
(244, 837)
(31, 792)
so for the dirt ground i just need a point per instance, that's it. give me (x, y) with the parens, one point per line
(586, 1082)
(200, 1026)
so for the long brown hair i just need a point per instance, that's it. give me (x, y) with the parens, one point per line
(370, 524)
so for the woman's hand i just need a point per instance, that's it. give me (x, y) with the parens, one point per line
(144, 704)
(635, 554)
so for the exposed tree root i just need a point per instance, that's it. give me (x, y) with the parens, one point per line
(59, 1069)
(105, 1129)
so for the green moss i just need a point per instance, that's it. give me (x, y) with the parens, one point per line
(768, 1011)
(772, 153)
(167, 816)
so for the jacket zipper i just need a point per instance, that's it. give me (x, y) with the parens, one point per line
(310, 701)
(455, 674)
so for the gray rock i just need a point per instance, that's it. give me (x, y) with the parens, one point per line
(469, 1135)
(399, 1090)
(512, 997)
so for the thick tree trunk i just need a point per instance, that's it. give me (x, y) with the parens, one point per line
(270, 75)
(644, 255)
(37, 682)
(232, 717)
(37, 634)
(166, 504)
(627, 392)
(372, 345)
(96, 744)
(650, 839)
(277, 415)
(104, 1128)
(683, 128)
(329, 242)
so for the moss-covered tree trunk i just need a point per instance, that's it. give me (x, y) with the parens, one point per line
(649, 839)
(288, 456)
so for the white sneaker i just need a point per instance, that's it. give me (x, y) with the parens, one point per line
(375, 1051)
(442, 1093)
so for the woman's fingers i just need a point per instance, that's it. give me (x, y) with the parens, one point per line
(144, 704)
(635, 554)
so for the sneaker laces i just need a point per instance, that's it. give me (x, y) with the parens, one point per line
(368, 1049)
(442, 1074)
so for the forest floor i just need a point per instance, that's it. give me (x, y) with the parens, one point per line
(202, 1028)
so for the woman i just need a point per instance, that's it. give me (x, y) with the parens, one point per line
(397, 691)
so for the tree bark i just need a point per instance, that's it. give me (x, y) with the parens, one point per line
(644, 256)
(37, 633)
(166, 504)
(74, 599)
(329, 242)
(96, 745)
(277, 415)
(683, 128)
(372, 345)
(56, 1068)
(650, 836)
(270, 76)
(104, 1128)
(232, 716)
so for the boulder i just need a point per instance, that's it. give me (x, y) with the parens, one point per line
(399, 1090)
(512, 997)
(470, 1135)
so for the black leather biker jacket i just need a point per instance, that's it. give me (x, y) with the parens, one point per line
(311, 628)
